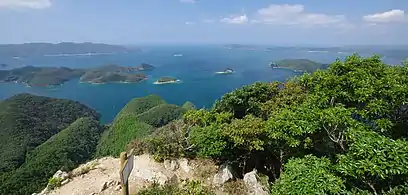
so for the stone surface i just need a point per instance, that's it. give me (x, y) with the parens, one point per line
(253, 184)
(184, 165)
(171, 165)
(104, 186)
(224, 174)
(61, 174)
(65, 182)
(118, 187)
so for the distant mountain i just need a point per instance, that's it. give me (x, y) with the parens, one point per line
(41, 49)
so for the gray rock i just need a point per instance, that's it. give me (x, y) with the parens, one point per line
(224, 174)
(61, 174)
(253, 184)
(65, 182)
(171, 165)
(184, 165)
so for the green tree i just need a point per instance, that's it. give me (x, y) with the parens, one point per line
(308, 175)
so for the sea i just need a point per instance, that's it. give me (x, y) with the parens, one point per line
(195, 67)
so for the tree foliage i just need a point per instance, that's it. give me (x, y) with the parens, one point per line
(64, 151)
(353, 116)
(26, 121)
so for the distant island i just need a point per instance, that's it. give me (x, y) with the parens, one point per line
(3, 65)
(167, 80)
(112, 74)
(226, 71)
(55, 76)
(144, 66)
(65, 48)
(299, 65)
(39, 76)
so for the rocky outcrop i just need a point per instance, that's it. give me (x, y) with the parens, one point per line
(224, 174)
(253, 184)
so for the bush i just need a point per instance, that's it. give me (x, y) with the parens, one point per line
(192, 187)
(54, 183)
(167, 142)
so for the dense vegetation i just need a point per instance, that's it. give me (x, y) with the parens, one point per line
(300, 65)
(139, 105)
(27, 121)
(335, 131)
(122, 131)
(144, 66)
(40, 49)
(64, 151)
(39, 76)
(135, 121)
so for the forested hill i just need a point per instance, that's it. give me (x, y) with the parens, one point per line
(41, 49)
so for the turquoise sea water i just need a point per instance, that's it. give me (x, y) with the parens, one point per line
(195, 69)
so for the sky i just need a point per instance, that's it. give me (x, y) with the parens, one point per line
(277, 22)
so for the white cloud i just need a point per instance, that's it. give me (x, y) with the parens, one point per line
(235, 19)
(286, 14)
(394, 15)
(33, 4)
(188, 1)
(190, 23)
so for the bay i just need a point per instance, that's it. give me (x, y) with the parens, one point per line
(195, 68)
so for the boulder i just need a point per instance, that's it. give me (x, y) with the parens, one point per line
(184, 165)
(253, 184)
(65, 182)
(61, 174)
(224, 174)
(171, 165)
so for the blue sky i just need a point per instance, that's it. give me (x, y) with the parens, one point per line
(280, 22)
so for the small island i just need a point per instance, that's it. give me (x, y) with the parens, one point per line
(39, 76)
(3, 65)
(226, 71)
(112, 74)
(166, 80)
(178, 55)
(298, 65)
(144, 66)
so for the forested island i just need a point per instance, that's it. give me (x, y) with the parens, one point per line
(327, 132)
(54, 76)
(64, 48)
(112, 74)
(40, 76)
(166, 80)
(299, 65)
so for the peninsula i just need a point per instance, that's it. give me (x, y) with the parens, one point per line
(144, 66)
(298, 65)
(166, 80)
(39, 76)
(226, 71)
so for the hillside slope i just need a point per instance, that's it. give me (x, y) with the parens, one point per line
(65, 150)
(26, 121)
